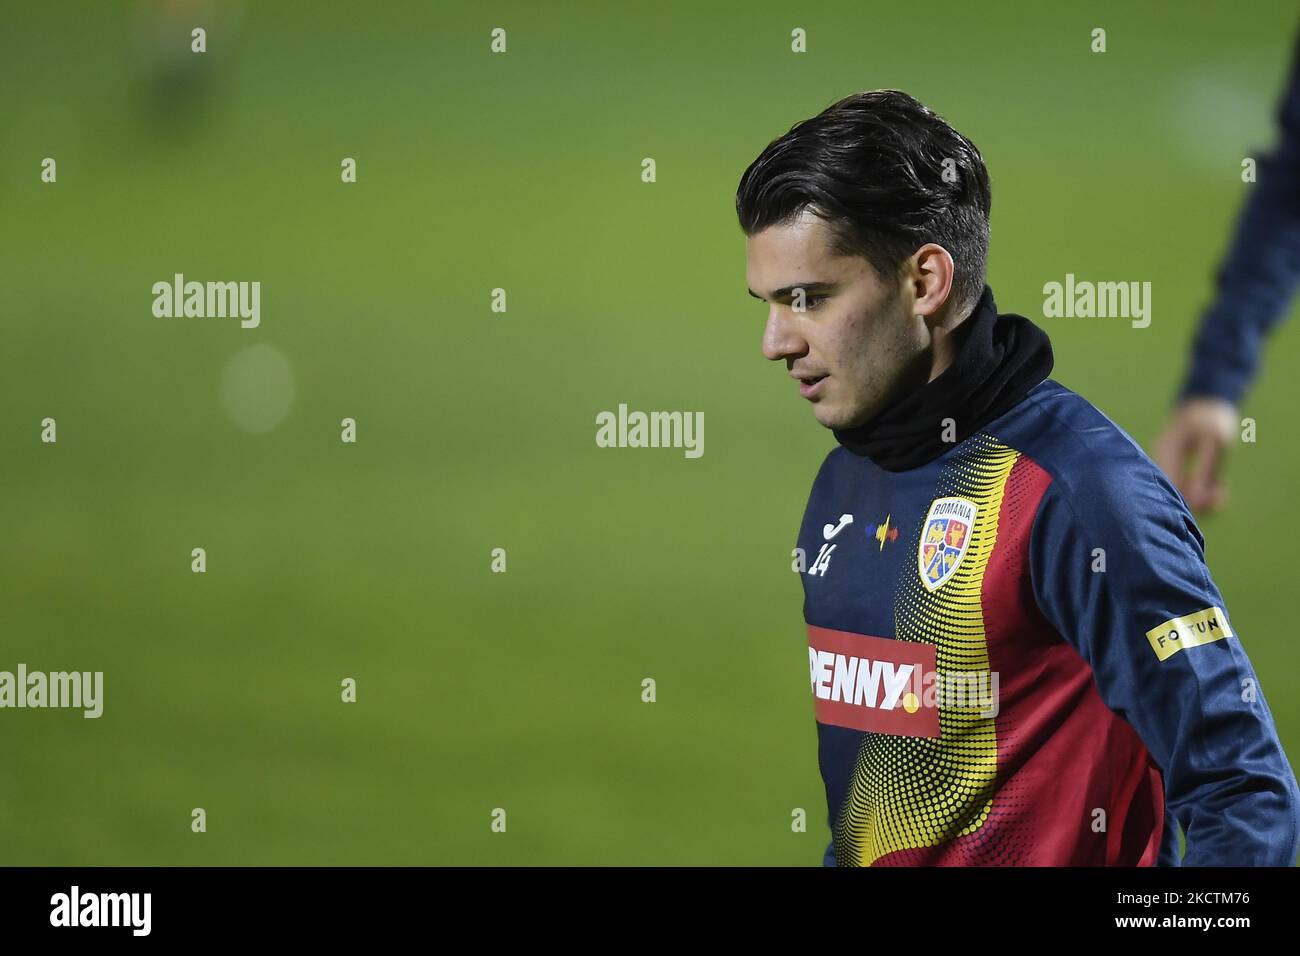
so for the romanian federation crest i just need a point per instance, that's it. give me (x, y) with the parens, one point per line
(945, 536)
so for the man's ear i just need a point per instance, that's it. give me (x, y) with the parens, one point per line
(931, 273)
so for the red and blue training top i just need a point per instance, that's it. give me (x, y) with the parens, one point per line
(1018, 657)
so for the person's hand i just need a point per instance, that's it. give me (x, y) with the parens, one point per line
(1192, 448)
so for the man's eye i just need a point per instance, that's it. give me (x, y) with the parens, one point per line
(812, 301)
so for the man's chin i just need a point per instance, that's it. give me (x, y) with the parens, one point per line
(828, 417)
(838, 419)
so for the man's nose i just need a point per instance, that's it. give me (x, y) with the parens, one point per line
(781, 338)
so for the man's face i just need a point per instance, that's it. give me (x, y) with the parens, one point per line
(857, 346)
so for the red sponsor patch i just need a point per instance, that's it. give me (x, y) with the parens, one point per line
(871, 683)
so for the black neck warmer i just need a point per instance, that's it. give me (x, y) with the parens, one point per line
(999, 359)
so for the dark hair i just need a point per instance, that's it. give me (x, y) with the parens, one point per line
(873, 167)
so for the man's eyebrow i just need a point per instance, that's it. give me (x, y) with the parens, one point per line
(808, 287)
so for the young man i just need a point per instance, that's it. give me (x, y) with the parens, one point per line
(1016, 652)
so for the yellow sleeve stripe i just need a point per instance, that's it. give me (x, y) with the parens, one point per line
(1203, 627)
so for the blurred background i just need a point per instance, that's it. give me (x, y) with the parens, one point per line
(476, 429)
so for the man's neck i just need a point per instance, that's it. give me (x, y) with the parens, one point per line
(945, 341)
(978, 368)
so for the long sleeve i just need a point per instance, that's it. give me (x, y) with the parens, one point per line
(1118, 568)
(1256, 282)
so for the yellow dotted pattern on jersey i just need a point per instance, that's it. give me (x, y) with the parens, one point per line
(909, 793)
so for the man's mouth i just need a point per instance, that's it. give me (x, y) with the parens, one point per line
(809, 387)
